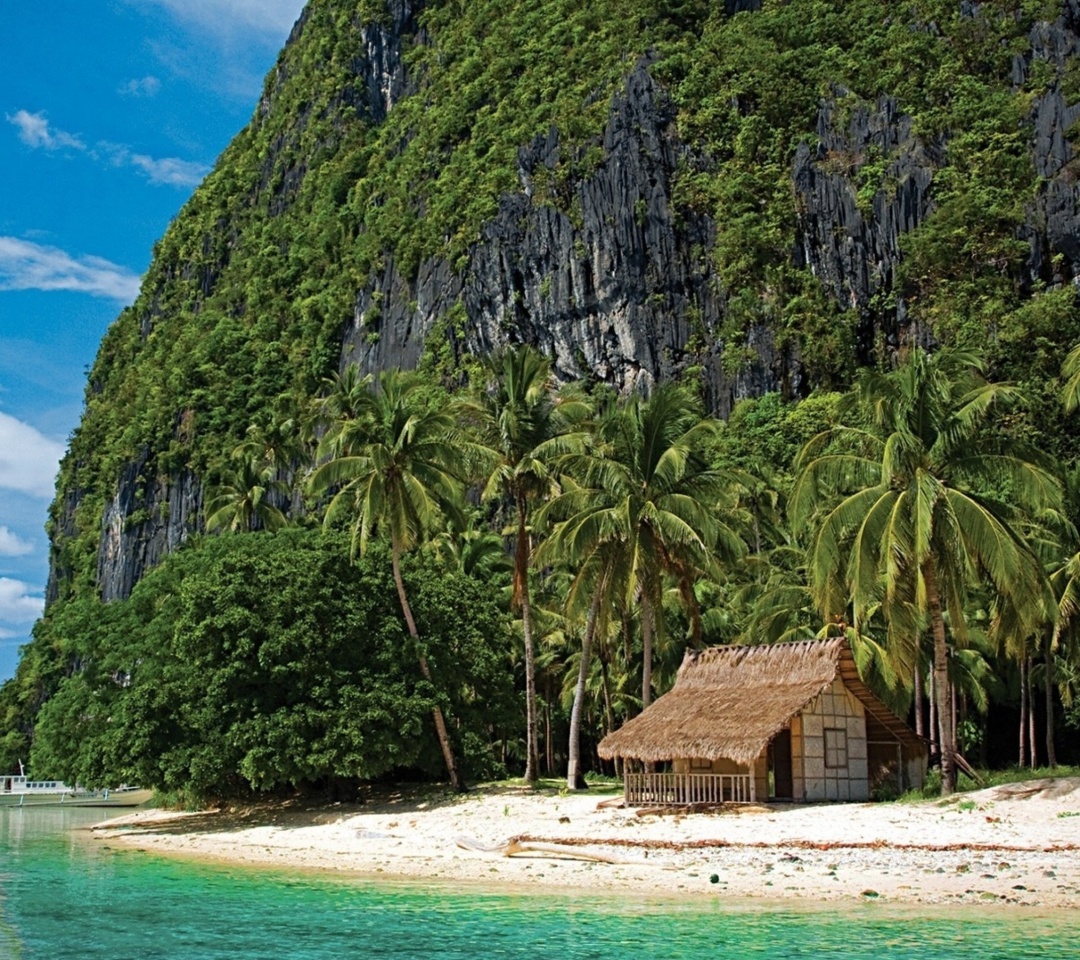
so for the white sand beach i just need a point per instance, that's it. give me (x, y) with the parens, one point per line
(1014, 844)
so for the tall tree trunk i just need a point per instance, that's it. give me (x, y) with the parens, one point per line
(954, 715)
(932, 729)
(646, 648)
(941, 682)
(575, 776)
(1032, 736)
(549, 756)
(1022, 762)
(920, 727)
(456, 783)
(609, 713)
(1051, 752)
(521, 591)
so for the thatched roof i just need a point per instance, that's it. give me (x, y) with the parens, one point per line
(729, 702)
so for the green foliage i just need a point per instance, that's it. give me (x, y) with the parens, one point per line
(252, 286)
(258, 662)
(767, 432)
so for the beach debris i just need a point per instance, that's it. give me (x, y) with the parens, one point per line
(515, 847)
(714, 878)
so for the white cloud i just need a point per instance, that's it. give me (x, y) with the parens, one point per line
(28, 459)
(170, 170)
(8, 634)
(31, 266)
(12, 545)
(17, 605)
(35, 131)
(141, 87)
(167, 171)
(229, 17)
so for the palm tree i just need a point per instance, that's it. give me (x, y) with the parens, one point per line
(242, 499)
(1070, 370)
(526, 428)
(642, 507)
(393, 469)
(593, 592)
(918, 520)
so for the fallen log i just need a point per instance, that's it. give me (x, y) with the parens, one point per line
(648, 844)
(515, 847)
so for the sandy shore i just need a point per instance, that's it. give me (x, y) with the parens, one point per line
(1017, 844)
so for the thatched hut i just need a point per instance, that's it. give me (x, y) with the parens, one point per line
(780, 721)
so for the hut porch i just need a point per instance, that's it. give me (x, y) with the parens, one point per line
(645, 788)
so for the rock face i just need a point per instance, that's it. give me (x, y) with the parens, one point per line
(148, 518)
(1053, 223)
(849, 236)
(625, 294)
(614, 280)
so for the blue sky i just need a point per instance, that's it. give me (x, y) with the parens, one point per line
(111, 111)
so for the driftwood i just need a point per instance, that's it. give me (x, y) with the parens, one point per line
(646, 844)
(518, 846)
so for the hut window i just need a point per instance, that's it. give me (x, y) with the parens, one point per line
(700, 763)
(835, 748)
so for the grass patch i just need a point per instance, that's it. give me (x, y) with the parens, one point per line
(991, 778)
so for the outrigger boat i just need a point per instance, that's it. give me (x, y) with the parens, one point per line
(18, 790)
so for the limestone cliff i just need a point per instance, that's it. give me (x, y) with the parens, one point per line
(591, 250)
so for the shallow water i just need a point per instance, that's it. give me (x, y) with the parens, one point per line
(63, 895)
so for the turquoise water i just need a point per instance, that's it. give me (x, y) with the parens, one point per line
(65, 896)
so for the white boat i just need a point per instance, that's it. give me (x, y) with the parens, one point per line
(18, 790)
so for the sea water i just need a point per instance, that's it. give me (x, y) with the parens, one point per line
(65, 895)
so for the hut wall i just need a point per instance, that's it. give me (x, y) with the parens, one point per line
(828, 748)
(761, 775)
(798, 768)
(916, 763)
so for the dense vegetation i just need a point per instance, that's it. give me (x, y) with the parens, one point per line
(261, 661)
(222, 370)
(913, 521)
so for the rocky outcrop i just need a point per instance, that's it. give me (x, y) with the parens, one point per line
(602, 270)
(861, 187)
(612, 282)
(148, 518)
(1053, 222)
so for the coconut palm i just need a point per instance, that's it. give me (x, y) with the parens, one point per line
(243, 498)
(905, 512)
(526, 428)
(394, 469)
(1070, 370)
(641, 505)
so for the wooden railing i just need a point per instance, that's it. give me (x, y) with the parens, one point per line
(687, 788)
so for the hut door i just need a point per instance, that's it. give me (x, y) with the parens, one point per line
(780, 753)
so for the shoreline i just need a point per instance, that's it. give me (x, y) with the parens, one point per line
(1014, 845)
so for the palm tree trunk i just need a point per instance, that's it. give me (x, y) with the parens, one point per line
(920, 728)
(1031, 715)
(549, 755)
(456, 783)
(646, 648)
(932, 729)
(575, 777)
(1022, 761)
(941, 682)
(1051, 753)
(521, 590)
